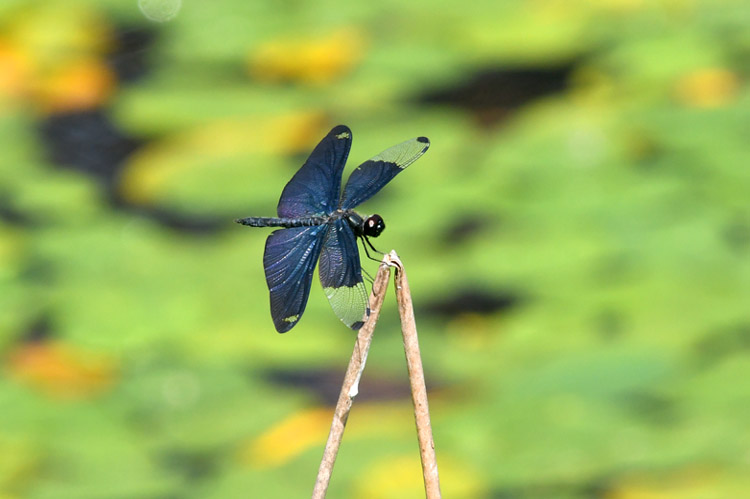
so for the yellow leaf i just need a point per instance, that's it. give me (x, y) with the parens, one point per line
(401, 477)
(708, 88)
(15, 70)
(153, 170)
(689, 483)
(289, 438)
(310, 60)
(309, 428)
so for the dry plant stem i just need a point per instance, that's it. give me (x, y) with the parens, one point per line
(416, 378)
(350, 386)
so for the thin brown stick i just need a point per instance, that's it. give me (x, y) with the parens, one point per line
(416, 378)
(350, 387)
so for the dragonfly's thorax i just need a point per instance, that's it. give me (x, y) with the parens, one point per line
(370, 226)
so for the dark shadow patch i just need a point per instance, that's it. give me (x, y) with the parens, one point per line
(10, 214)
(651, 408)
(592, 488)
(38, 270)
(736, 234)
(471, 301)
(609, 324)
(325, 384)
(129, 59)
(189, 223)
(193, 465)
(466, 228)
(38, 331)
(492, 94)
(88, 142)
(715, 347)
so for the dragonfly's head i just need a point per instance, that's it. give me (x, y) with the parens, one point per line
(373, 226)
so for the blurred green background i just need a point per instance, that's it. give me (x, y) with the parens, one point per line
(577, 240)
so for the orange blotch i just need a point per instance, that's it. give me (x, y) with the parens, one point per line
(59, 370)
(82, 84)
(52, 56)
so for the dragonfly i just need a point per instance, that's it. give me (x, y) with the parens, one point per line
(318, 224)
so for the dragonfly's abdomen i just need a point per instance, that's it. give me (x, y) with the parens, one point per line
(281, 222)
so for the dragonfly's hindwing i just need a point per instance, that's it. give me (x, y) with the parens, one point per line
(341, 275)
(289, 262)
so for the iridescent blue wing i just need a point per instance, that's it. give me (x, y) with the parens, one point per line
(341, 275)
(289, 262)
(315, 188)
(373, 174)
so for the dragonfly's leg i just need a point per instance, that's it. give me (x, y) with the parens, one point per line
(368, 276)
(367, 240)
(364, 246)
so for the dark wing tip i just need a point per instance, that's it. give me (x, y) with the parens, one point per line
(339, 130)
(284, 326)
(357, 325)
(425, 141)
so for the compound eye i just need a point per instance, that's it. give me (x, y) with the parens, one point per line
(374, 225)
